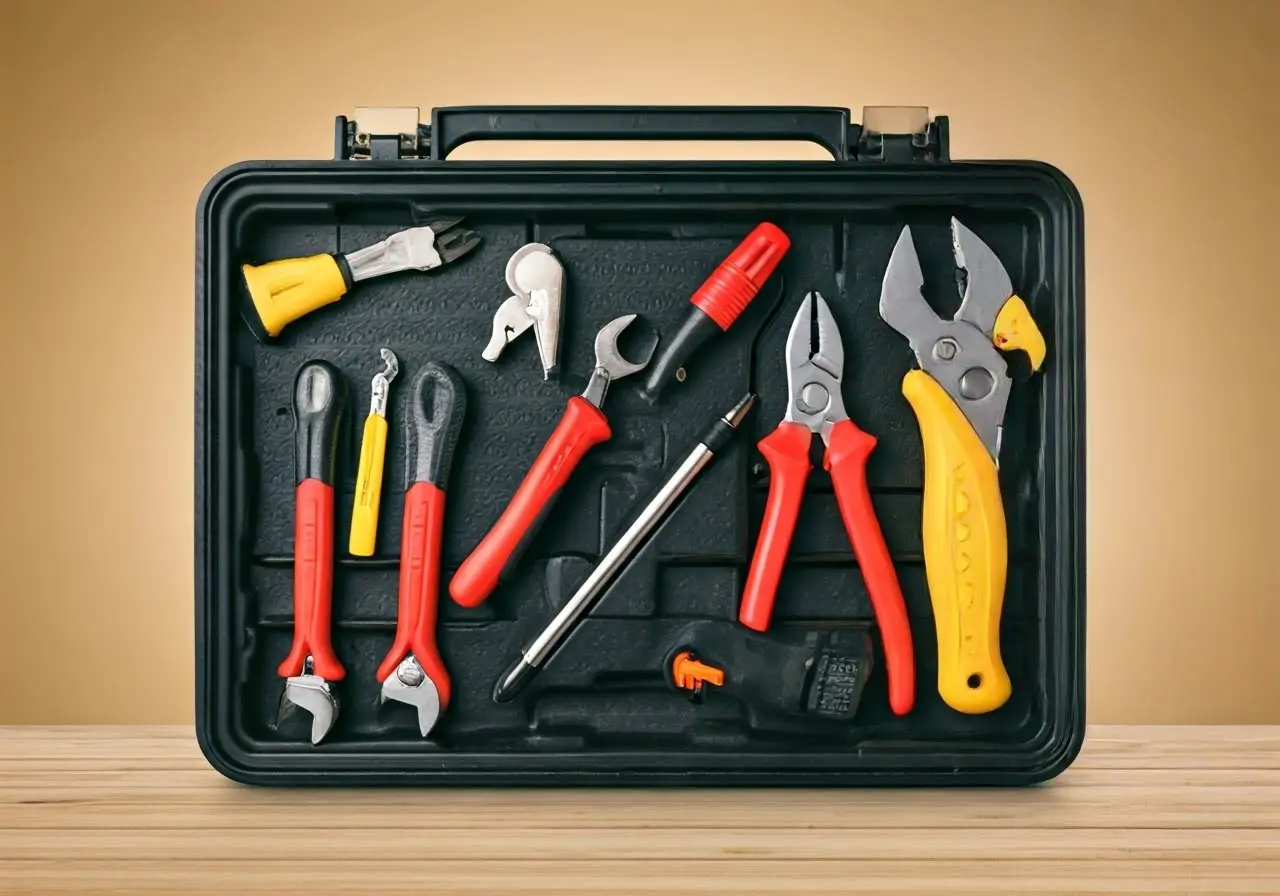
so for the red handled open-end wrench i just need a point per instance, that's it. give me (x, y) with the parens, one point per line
(413, 671)
(815, 405)
(582, 426)
(319, 402)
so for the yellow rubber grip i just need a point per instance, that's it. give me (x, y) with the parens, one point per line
(965, 549)
(364, 516)
(285, 290)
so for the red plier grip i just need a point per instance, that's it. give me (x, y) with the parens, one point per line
(787, 451)
(846, 460)
(581, 427)
(418, 600)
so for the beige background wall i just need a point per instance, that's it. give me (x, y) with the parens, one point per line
(116, 114)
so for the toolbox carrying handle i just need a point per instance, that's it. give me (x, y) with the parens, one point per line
(452, 126)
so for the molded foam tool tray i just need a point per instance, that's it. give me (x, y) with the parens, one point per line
(633, 237)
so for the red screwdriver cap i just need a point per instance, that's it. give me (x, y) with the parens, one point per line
(733, 284)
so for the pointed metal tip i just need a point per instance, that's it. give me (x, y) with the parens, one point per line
(740, 410)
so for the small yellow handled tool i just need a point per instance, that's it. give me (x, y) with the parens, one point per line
(373, 451)
(959, 396)
(285, 290)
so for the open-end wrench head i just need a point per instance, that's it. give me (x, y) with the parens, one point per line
(313, 694)
(609, 359)
(423, 695)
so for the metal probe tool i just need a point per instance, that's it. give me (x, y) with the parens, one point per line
(540, 650)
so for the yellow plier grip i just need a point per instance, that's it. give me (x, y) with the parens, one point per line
(965, 549)
(285, 290)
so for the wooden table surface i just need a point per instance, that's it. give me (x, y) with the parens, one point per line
(1143, 810)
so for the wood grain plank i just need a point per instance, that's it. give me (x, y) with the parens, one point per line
(454, 877)
(520, 843)
(1160, 810)
(82, 803)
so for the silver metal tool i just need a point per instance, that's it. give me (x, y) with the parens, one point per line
(536, 279)
(960, 354)
(435, 243)
(313, 694)
(540, 650)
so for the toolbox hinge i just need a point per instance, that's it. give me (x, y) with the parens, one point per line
(900, 134)
(381, 132)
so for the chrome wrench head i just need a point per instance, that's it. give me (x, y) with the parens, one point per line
(313, 694)
(410, 685)
(610, 364)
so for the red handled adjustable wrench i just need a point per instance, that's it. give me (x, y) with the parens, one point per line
(412, 671)
(815, 405)
(582, 426)
(319, 402)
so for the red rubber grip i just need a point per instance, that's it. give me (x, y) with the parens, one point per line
(846, 460)
(787, 451)
(581, 427)
(738, 279)
(312, 583)
(418, 603)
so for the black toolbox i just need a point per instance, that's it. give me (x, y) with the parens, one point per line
(634, 237)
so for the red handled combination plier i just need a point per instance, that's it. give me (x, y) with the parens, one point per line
(815, 405)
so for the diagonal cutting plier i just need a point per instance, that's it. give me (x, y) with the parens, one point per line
(815, 405)
(284, 290)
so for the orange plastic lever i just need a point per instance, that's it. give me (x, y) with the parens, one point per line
(689, 673)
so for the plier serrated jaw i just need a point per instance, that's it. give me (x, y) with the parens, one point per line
(815, 368)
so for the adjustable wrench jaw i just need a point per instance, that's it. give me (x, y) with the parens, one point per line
(411, 685)
(610, 364)
(311, 693)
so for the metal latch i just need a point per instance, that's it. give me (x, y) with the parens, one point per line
(903, 134)
(382, 132)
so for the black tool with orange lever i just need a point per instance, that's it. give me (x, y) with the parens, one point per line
(815, 404)
(815, 675)
(718, 302)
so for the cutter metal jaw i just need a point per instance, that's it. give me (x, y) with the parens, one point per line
(535, 277)
(815, 370)
(424, 248)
